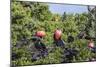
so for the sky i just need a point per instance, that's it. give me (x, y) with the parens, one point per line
(61, 8)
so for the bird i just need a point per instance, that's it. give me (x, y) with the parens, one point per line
(57, 38)
(70, 39)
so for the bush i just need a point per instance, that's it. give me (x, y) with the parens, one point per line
(25, 23)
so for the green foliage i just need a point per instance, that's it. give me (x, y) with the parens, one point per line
(91, 25)
(64, 17)
(29, 17)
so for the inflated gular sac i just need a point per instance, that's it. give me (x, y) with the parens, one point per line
(57, 34)
(40, 33)
(91, 46)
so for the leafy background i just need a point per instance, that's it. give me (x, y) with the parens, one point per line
(29, 17)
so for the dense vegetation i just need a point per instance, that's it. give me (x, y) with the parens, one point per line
(29, 17)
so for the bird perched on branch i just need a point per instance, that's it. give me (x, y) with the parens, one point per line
(57, 38)
(70, 38)
(81, 35)
(69, 53)
(39, 45)
(91, 46)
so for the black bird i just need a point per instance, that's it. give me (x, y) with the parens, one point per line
(81, 35)
(57, 38)
(59, 43)
(39, 55)
(40, 47)
(15, 56)
(93, 50)
(70, 39)
(68, 55)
